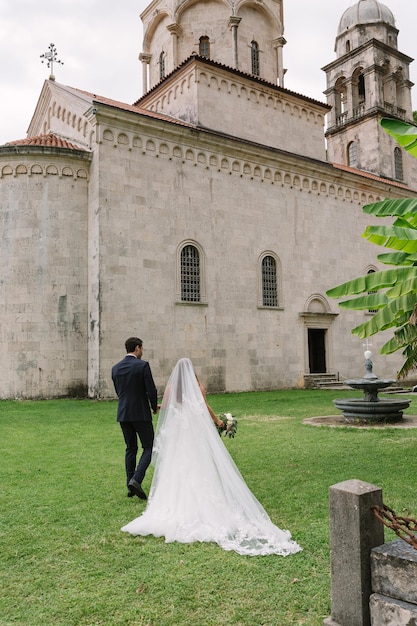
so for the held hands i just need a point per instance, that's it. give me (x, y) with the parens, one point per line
(227, 424)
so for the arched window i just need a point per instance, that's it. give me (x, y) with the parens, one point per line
(352, 154)
(358, 93)
(347, 46)
(398, 164)
(340, 100)
(204, 47)
(162, 65)
(190, 274)
(255, 58)
(372, 271)
(361, 87)
(269, 281)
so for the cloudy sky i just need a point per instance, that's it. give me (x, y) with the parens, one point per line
(99, 42)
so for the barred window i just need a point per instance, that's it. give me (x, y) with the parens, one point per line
(269, 282)
(204, 47)
(398, 164)
(255, 57)
(190, 274)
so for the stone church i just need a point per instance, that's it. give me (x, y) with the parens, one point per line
(211, 216)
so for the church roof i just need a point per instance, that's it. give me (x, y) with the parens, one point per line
(49, 141)
(380, 179)
(236, 72)
(365, 12)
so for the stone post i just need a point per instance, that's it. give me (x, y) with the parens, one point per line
(234, 22)
(278, 44)
(354, 531)
(175, 30)
(145, 59)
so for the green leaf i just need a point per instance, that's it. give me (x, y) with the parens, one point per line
(393, 314)
(402, 222)
(404, 239)
(403, 287)
(403, 336)
(404, 134)
(396, 258)
(370, 301)
(400, 207)
(410, 362)
(372, 282)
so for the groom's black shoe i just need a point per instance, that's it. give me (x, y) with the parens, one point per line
(136, 489)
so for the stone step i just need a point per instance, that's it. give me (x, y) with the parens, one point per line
(319, 381)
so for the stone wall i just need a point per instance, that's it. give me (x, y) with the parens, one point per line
(394, 585)
(43, 260)
(162, 185)
(251, 110)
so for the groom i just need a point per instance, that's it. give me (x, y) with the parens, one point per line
(135, 388)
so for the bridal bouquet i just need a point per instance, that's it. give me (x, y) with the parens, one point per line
(230, 425)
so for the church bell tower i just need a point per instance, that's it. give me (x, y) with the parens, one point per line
(369, 80)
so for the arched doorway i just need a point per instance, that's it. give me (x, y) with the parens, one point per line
(317, 350)
(318, 321)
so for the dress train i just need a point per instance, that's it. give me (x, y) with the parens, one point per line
(197, 491)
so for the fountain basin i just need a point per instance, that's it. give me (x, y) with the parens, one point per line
(359, 409)
(370, 408)
(370, 386)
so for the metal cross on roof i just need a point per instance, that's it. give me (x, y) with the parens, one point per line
(50, 58)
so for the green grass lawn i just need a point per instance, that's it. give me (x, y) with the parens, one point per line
(65, 562)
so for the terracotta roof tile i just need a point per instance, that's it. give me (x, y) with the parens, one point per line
(50, 141)
(134, 108)
(388, 181)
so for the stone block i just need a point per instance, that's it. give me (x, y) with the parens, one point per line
(394, 570)
(390, 612)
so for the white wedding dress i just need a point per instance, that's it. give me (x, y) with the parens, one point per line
(197, 492)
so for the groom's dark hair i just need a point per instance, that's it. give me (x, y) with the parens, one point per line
(131, 343)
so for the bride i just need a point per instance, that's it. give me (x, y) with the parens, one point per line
(197, 492)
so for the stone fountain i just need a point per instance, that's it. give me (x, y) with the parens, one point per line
(371, 408)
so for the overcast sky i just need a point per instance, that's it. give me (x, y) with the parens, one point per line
(99, 42)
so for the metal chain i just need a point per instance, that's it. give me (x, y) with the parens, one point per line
(404, 527)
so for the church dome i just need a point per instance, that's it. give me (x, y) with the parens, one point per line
(365, 12)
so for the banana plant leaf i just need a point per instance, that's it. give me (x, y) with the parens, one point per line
(402, 288)
(397, 258)
(404, 134)
(371, 301)
(402, 222)
(404, 239)
(393, 314)
(403, 336)
(389, 207)
(410, 352)
(372, 282)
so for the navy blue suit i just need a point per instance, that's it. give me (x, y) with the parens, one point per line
(135, 388)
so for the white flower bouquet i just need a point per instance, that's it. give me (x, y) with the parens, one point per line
(229, 425)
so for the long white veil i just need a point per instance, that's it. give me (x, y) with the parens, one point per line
(197, 492)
